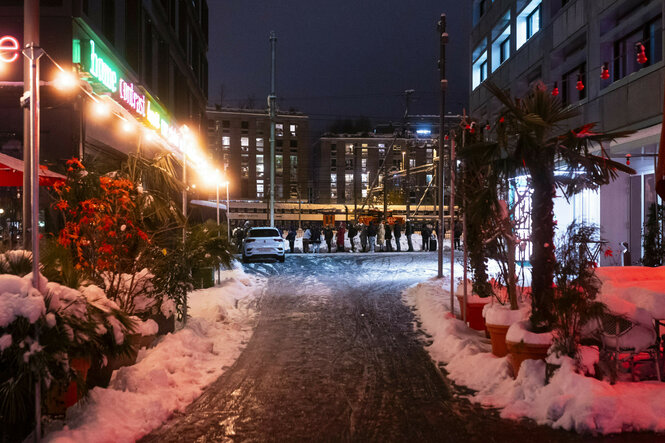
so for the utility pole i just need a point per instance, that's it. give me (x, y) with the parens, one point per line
(271, 106)
(443, 38)
(406, 132)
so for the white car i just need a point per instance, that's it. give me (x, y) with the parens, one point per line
(263, 243)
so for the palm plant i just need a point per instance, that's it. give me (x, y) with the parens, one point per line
(531, 140)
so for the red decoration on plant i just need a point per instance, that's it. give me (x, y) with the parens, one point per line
(641, 56)
(555, 90)
(608, 253)
(628, 159)
(605, 71)
(580, 85)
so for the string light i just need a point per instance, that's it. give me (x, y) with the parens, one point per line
(555, 89)
(580, 85)
(641, 56)
(605, 71)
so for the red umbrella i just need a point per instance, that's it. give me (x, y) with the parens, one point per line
(11, 173)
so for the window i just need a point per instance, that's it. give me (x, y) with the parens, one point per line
(333, 162)
(528, 22)
(226, 140)
(226, 124)
(479, 70)
(348, 164)
(482, 7)
(244, 125)
(259, 166)
(293, 143)
(569, 92)
(292, 130)
(500, 45)
(333, 178)
(533, 22)
(279, 164)
(349, 149)
(244, 141)
(279, 129)
(259, 188)
(294, 168)
(259, 142)
(625, 57)
(363, 163)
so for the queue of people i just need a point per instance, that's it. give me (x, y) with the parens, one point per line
(370, 237)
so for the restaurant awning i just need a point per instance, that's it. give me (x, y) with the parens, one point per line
(11, 173)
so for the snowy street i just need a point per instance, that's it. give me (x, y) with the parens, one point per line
(335, 357)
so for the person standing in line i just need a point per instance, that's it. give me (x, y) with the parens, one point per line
(458, 234)
(424, 232)
(409, 232)
(381, 237)
(328, 235)
(389, 238)
(340, 238)
(363, 237)
(397, 233)
(305, 240)
(315, 238)
(291, 237)
(371, 235)
(352, 235)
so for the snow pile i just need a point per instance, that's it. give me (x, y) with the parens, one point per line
(171, 375)
(19, 299)
(570, 401)
(501, 315)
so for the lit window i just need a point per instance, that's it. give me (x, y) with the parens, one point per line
(279, 164)
(279, 129)
(292, 129)
(294, 167)
(528, 22)
(333, 178)
(259, 142)
(412, 162)
(500, 43)
(480, 70)
(348, 178)
(365, 178)
(226, 140)
(364, 192)
(244, 141)
(349, 149)
(363, 163)
(381, 145)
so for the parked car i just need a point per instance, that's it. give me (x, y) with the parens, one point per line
(261, 243)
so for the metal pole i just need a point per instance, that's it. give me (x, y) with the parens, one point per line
(228, 210)
(452, 224)
(272, 104)
(217, 209)
(184, 225)
(443, 36)
(31, 35)
(407, 149)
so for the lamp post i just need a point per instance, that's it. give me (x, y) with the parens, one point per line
(228, 211)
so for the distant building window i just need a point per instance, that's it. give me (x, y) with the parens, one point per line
(244, 141)
(483, 71)
(279, 164)
(529, 22)
(294, 167)
(333, 162)
(226, 140)
(226, 124)
(259, 142)
(293, 142)
(333, 178)
(363, 163)
(279, 130)
(244, 125)
(349, 149)
(292, 130)
(349, 164)
(504, 50)
(259, 166)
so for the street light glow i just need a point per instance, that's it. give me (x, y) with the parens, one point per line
(65, 81)
(128, 127)
(101, 109)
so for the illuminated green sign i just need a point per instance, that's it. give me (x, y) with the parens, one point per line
(101, 70)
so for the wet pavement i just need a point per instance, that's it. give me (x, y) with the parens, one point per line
(335, 356)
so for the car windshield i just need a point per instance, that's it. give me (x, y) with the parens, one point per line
(267, 232)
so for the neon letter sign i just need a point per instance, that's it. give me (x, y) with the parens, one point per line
(8, 49)
(101, 70)
(154, 118)
(135, 100)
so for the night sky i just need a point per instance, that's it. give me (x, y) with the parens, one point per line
(345, 58)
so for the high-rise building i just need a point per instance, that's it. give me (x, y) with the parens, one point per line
(239, 141)
(604, 58)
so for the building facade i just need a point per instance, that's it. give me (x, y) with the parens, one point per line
(146, 61)
(604, 58)
(239, 141)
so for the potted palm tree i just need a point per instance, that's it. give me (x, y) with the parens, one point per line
(532, 141)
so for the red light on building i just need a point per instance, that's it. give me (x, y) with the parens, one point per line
(555, 89)
(605, 72)
(580, 85)
(9, 49)
(641, 56)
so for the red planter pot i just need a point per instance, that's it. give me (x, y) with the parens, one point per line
(474, 314)
(525, 351)
(498, 338)
(60, 397)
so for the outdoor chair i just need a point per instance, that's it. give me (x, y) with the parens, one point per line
(622, 340)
